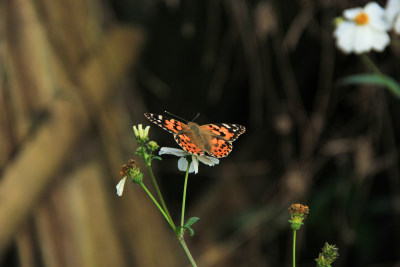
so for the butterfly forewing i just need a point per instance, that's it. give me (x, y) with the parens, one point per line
(226, 131)
(171, 125)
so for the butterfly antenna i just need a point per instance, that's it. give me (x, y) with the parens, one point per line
(198, 114)
(173, 115)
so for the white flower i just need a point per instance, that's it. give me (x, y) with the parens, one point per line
(183, 163)
(393, 14)
(120, 186)
(363, 29)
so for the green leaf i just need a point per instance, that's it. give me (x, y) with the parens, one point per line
(191, 221)
(187, 226)
(157, 157)
(373, 79)
(178, 229)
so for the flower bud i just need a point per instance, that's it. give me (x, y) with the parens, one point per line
(140, 133)
(328, 255)
(152, 145)
(337, 21)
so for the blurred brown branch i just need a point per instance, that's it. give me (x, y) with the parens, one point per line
(32, 170)
(62, 69)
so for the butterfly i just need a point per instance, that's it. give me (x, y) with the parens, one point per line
(212, 139)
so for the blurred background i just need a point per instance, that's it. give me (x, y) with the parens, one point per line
(75, 76)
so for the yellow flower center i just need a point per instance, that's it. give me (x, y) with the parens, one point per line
(361, 19)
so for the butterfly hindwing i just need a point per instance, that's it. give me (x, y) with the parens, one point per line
(187, 144)
(171, 125)
(220, 148)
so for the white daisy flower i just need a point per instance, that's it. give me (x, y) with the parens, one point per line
(183, 163)
(393, 14)
(120, 186)
(363, 30)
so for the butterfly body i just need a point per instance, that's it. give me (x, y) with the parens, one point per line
(211, 139)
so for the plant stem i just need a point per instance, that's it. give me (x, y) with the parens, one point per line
(158, 205)
(164, 209)
(180, 237)
(189, 255)
(294, 248)
(154, 181)
(184, 199)
(370, 64)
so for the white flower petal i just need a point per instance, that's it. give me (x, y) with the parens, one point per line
(172, 151)
(214, 161)
(380, 41)
(377, 16)
(210, 161)
(146, 131)
(183, 164)
(374, 9)
(192, 168)
(396, 25)
(351, 13)
(364, 40)
(135, 130)
(392, 10)
(120, 186)
(344, 34)
(195, 164)
(380, 23)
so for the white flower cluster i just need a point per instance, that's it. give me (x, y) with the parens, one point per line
(364, 29)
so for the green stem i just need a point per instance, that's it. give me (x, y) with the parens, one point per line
(294, 248)
(187, 251)
(370, 64)
(181, 240)
(164, 209)
(154, 181)
(158, 205)
(184, 198)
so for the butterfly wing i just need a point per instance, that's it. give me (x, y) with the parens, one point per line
(222, 136)
(226, 131)
(220, 148)
(171, 125)
(179, 130)
(187, 144)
